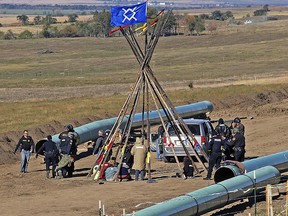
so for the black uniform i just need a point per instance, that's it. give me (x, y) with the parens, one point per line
(51, 153)
(214, 146)
(238, 145)
(25, 143)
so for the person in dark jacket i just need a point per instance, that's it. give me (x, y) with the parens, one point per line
(215, 149)
(223, 128)
(238, 144)
(51, 152)
(99, 142)
(188, 168)
(27, 147)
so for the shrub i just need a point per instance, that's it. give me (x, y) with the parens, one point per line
(25, 35)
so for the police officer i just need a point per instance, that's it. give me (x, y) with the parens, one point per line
(51, 153)
(68, 150)
(27, 147)
(238, 144)
(237, 124)
(215, 149)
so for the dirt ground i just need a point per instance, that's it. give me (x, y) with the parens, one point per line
(33, 194)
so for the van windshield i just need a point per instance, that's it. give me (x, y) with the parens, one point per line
(195, 129)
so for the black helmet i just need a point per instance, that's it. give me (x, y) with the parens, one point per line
(69, 127)
(220, 121)
(237, 120)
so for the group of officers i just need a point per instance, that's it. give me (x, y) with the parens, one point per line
(60, 156)
(227, 140)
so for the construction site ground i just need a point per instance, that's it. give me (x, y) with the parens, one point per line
(33, 194)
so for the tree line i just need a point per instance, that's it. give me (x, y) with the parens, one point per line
(99, 24)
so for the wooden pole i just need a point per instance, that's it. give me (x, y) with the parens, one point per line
(286, 198)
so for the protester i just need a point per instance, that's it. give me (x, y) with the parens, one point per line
(188, 168)
(27, 147)
(139, 151)
(99, 142)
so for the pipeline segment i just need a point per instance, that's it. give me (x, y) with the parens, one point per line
(88, 131)
(215, 196)
(278, 160)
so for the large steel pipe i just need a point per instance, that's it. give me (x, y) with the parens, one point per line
(88, 132)
(215, 196)
(278, 160)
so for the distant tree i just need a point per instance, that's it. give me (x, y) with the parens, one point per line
(260, 12)
(47, 20)
(49, 31)
(37, 20)
(25, 35)
(266, 7)
(196, 25)
(2, 35)
(102, 21)
(227, 15)
(69, 31)
(72, 17)
(170, 26)
(217, 15)
(23, 19)
(204, 16)
(9, 35)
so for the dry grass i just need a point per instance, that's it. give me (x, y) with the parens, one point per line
(235, 52)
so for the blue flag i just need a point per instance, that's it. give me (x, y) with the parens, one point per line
(128, 15)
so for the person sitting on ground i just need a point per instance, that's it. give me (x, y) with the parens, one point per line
(188, 168)
(99, 142)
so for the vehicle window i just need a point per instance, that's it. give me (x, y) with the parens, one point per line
(195, 129)
(205, 129)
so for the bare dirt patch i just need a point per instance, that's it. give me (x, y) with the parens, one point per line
(33, 194)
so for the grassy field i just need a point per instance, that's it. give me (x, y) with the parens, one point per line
(15, 116)
(234, 52)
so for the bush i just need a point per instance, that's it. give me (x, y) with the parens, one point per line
(2, 35)
(9, 35)
(25, 35)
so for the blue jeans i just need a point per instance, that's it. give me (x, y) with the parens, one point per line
(25, 157)
(142, 174)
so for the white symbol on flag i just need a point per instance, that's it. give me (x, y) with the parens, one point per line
(132, 14)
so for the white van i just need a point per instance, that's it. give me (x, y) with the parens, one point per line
(202, 130)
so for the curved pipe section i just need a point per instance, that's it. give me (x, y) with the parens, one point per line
(278, 160)
(88, 132)
(215, 196)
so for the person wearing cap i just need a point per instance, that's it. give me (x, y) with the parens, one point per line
(51, 152)
(237, 124)
(139, 151)
(238, 144)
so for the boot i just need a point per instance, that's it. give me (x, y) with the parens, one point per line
(53, 174)
(47, 174)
